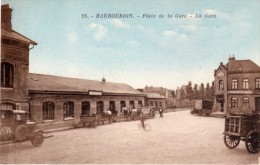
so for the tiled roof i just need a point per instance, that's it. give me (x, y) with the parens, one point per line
(40, 82)
(242, 66)
(16, 36)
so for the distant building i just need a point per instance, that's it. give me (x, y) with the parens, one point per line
(237, 87)
(155, 100)
(160, 90)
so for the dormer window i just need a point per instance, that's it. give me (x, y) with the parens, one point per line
(7, 73)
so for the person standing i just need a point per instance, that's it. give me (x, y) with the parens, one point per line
(161, 112)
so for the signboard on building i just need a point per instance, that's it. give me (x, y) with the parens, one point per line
(95, 93)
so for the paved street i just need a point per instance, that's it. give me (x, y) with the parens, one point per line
(179, 137)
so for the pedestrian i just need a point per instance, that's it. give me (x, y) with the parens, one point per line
(161, 112)
(142, 119)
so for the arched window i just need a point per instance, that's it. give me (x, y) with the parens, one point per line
(85, 108)
(112, 106)
(7, 74)
(140, 103)
(100, 107)
(245, 102)
(132, 104)
(234, 102)
(245, 83)
(221, 85)
(68, 109)
(234, 84)
(48, 110)
(122, 104)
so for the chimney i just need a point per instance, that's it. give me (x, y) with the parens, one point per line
(231, 58)
(221, 63)
(6, 13)
(103, 80)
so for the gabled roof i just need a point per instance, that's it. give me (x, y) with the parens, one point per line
(16, 36)
(40, 82)
(242, 66)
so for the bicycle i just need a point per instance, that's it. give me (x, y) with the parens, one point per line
(147, 127)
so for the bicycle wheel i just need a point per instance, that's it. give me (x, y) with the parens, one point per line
(147, 127)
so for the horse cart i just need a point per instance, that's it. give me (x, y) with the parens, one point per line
(15, 127)
(245, 127)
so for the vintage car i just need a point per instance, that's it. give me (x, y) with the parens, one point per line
(15, 127)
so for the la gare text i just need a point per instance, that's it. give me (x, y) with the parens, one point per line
(147, 16)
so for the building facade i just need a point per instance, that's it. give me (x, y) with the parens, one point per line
(237, 87)
(59, 101)
(14, 64)
(155, 100)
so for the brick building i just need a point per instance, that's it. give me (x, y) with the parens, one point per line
(237, 87)
(14, 64)
(61, 100)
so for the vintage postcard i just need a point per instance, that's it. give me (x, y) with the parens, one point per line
(130, 82)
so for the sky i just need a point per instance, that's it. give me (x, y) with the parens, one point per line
(161, 52)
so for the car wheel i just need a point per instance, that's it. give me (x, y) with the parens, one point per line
(21, 133)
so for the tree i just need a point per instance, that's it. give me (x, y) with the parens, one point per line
(182, 94)
(189, 91)
(196, 91)
(207, 92)
(212, 91)
(172, 93)
(202, 91)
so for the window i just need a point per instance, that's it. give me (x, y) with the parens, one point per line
(7, 106)
(140, 103)
(48, 110)
(7, 72)
(122, 105)
(221, 85)
(100, 107)
(234, 84)
(245, 83)
(132, 104)
(234, 102)
(68, 109)
(257, 83)
(151, 103)
(85, 108)
(112, 106)
(245, 102)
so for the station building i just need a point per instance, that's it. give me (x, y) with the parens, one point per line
(54, 101)
(237, 87)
